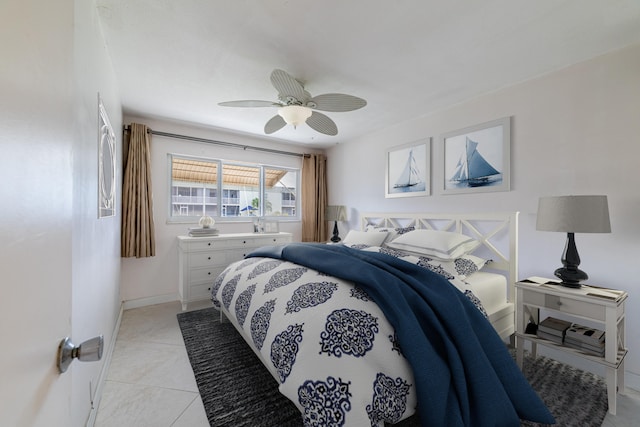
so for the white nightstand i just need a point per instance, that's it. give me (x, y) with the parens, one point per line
(594, 304)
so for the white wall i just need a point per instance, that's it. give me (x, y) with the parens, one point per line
(576, 131)
(59, 264)
(95, 255)
(155, 279)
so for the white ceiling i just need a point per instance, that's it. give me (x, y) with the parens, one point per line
(408, 58)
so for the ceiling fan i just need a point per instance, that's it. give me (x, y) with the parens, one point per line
(297, 106)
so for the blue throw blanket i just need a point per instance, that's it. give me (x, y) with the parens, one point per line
(463, 372)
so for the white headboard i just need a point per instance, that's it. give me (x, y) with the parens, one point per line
(497, 233)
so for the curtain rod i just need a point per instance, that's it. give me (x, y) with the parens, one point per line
(226, 144)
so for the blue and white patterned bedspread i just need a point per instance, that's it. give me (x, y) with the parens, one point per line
(330, 346)
(323, 338)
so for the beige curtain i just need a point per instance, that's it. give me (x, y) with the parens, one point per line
(314, 198)
(138, 235)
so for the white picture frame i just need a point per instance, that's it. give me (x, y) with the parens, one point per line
(407, 171)
(477, 159)
(106, 164)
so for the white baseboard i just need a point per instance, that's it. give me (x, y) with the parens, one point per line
(632, 380)
(143, 302)
(104, 371)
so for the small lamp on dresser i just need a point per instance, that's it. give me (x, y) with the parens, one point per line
(573, 214)
(335, 214)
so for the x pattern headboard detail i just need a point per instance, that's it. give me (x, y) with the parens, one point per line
(496, 233)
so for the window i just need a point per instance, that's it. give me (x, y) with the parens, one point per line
(280, 199)
(246, 190)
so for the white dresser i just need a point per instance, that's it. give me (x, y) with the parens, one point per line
(202, 259)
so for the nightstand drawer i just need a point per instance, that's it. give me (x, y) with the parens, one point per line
(565, 305)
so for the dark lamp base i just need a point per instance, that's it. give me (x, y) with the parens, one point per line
(571, 277)
(570, 274)
(336, 237)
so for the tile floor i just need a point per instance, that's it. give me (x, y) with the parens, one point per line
(150, 381)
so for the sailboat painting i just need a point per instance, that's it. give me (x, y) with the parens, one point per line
(407, 170)
(476, 159)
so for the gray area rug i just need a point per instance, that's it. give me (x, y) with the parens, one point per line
(238, 391)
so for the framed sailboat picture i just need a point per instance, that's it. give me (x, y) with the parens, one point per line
(407, 171)
(477, 158)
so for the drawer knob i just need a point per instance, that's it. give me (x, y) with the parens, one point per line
(208, 257)
(244, 241)
(209, 273)
(209, 244)
(559, 303)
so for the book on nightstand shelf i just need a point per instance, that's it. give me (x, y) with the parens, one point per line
(585, 334)
(582, 338)
(550, 337)
(553, 329)
(597, 350)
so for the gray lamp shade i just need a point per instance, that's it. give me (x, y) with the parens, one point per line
(574, 214)
(336, 213)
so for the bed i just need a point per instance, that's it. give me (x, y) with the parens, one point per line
(497, 237)
(367, 331)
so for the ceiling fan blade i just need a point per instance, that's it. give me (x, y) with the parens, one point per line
(322, 124)
(274, 124)
(248, 103)
(287, 86)
(337, 102)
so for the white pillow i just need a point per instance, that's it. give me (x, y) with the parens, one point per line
(458, 269)
(443, 245)
(392, 232)
(355, 237)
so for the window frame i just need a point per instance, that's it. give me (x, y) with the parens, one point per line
(262, 191)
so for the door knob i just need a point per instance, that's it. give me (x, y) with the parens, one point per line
(88, 351)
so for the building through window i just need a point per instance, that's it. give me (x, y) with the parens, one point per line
(247, 190)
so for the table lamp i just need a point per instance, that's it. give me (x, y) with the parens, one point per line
(336, 213)
(573, 214)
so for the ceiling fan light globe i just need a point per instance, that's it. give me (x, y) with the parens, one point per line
(295, 114)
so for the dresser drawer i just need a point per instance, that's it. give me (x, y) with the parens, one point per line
(203, 245)
(200, 292)
(198, 275)
(565, 305)
(237, 254)
(208, 259)
(249, 242)
(202, 259)
(271, 240)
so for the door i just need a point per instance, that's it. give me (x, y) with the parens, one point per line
(36, 41)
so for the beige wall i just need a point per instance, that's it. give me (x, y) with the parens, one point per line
(575, 131)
